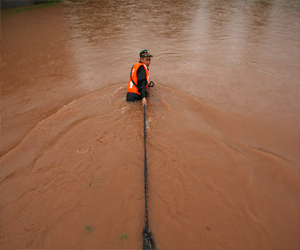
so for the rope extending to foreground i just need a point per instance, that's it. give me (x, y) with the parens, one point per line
(148, 242)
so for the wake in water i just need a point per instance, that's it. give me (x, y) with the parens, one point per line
(83, 168)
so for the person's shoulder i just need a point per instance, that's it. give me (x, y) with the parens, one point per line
(141, 68)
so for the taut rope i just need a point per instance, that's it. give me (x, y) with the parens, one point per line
(148, 242)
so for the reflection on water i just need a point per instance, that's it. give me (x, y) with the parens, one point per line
(223, 125)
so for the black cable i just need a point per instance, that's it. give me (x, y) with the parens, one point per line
(148, 242)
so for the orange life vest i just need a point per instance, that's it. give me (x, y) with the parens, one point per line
(132, 83)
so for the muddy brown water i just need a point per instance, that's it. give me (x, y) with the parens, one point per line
(222, 125)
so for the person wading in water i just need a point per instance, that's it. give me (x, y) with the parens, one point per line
(139, 79)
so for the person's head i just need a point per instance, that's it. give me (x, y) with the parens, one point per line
(145, 57)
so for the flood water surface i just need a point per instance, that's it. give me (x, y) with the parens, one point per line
(222, 125)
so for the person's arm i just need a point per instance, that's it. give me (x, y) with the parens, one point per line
(142, 82)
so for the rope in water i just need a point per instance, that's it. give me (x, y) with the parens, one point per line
(148, 242)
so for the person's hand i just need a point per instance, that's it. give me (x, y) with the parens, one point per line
(144, 101)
